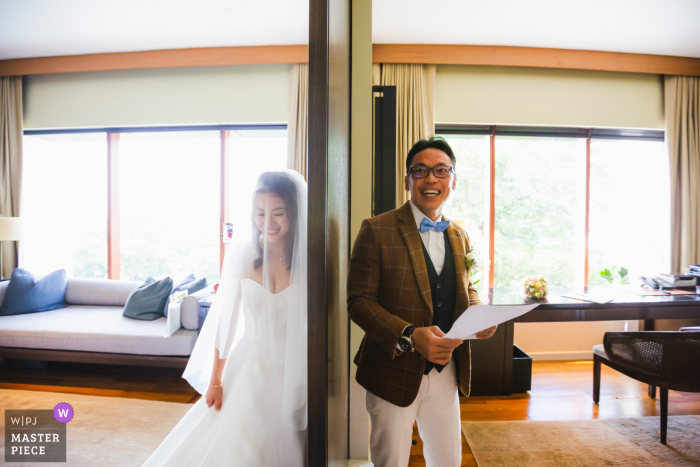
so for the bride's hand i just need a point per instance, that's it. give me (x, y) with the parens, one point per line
(214, 397)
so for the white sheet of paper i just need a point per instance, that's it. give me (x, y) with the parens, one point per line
(479, 317)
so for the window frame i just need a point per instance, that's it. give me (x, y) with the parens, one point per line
(587, 133)
(113, 136)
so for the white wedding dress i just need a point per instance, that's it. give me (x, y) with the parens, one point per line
(248, 431)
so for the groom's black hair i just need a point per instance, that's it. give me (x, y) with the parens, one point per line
(435, 142)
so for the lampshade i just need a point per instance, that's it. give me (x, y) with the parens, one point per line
(10, 228)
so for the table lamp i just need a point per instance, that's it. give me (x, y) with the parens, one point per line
(10, 230)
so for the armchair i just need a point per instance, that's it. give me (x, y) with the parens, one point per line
(669, 360)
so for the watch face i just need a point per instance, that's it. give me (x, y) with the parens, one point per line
(405, 346)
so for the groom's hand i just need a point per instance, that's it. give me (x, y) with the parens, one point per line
(486, 333)
(435, 348)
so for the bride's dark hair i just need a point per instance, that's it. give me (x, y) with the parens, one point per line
(277, 183)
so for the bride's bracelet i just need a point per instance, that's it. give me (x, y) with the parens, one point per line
(215, 386)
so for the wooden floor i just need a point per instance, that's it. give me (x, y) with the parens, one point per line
(560, 391)
(161, 384)
(564, 391)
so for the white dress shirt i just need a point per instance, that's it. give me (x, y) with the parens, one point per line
(433, 240)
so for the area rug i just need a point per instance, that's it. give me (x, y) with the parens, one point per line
(105, 431)
(584, 443)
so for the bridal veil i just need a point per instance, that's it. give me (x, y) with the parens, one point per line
(287, 335)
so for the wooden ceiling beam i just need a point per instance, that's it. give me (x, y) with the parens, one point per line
(534, 57)
(381, 53)
(209, 56)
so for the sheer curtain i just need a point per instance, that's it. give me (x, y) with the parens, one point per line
(415, 109)
(298, 110)
(10, 160)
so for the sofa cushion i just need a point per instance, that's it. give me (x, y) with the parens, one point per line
(189, 283)
(189, 309)
(26, 294)
(93, 329)
(146, 301)
(100, 292)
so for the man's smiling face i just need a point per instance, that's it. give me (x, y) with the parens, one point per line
(429, 194)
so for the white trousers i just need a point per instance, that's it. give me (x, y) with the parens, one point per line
(436, 409)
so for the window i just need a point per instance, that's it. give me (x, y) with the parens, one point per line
(540, 194)
(470, 202)
(64, 204)
(168, 203)
(630, 206)
(254, 152)
(540, 208)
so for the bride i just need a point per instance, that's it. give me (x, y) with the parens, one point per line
(250, 357)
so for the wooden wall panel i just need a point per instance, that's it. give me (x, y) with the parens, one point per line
(210, 56)
(328, 166)
(534, 57)
(316, 173)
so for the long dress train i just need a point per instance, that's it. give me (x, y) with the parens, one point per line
(248, 431)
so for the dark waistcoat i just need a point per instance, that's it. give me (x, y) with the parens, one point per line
(443, 289)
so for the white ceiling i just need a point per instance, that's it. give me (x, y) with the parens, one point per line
(665, 27)
(34, 28)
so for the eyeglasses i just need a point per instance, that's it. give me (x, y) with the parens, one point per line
(440, 171)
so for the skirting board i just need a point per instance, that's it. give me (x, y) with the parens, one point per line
(543, 356)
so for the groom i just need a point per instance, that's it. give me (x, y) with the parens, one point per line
(407, 284)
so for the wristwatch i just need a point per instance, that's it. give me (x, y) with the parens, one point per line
(405, 341)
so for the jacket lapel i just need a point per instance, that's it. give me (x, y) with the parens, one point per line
(460, 269)
(410, 234)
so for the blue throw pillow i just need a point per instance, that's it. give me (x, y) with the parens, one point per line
(146, 301)
(190, 284)
(26, 294)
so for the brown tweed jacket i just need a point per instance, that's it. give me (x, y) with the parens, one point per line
(388, 289)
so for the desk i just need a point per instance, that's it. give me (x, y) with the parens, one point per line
(492, 359)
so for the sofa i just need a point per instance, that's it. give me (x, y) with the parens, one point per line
(91, 329)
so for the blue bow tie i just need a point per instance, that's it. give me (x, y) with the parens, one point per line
(426, 224)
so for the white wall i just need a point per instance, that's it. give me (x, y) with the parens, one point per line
(156, 97)
(542, 96)
(565, 341)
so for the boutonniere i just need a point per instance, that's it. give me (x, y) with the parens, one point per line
(472, 263)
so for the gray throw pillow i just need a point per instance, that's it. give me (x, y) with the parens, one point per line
(190, 284)
(27, 294)
(147, 300)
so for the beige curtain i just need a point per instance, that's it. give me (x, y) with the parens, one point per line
(682, 101)
(298, 113)
(415, 109)
(10, 160)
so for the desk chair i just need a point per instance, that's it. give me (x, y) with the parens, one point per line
(669, 360)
